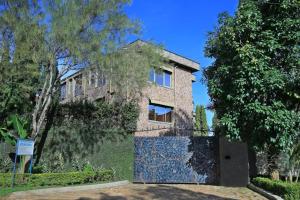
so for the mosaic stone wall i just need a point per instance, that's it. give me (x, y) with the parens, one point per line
(175, 159)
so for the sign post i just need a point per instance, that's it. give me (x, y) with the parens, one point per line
(23, 148)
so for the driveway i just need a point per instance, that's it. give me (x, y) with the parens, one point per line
(148, 191)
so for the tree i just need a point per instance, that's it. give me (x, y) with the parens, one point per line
(57, 37)
(254, 80)
(200, 121)
(215, 124)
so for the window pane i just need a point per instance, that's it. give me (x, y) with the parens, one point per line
(167, 79)
(92, 82)
(159, 76)
(160, 113)
(101, 80)
(151, 75)
(63, 90)
(151, 109)
(78, 86)
(168, 115)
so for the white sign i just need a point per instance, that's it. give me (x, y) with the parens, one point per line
(25, 147)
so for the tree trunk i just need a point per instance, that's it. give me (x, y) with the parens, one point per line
(49, 122)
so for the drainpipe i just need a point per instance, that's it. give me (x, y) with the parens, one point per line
(175, 106)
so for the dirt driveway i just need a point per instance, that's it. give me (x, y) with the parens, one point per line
(149, 191)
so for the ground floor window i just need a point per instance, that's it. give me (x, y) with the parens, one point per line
(160, 113)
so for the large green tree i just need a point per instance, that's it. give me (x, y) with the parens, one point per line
(49, 39)
(254, 81)
(201, 127)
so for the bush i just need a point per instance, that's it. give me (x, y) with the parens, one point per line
(56, 179)
(289, 191)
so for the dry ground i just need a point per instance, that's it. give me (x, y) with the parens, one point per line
(147, 192)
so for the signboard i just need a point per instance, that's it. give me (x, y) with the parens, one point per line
(25, 147)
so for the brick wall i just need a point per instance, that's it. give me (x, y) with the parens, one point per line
(179, 95)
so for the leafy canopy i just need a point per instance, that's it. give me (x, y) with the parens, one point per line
(254, 82)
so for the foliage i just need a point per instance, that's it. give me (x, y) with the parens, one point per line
(290, 162)
(200, 121)
(56, 179)
(5, 164)
(215, 124)
(49, 39)
(289, 191)
(15, 129)
(254, 81)
(80, 128)
(115, 153)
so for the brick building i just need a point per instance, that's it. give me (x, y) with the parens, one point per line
(166, 103)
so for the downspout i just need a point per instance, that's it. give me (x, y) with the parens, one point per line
(175, 106)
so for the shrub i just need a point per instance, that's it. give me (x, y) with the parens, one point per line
(289, 191)
(56, 179)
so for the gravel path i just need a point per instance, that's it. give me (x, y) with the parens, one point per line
(148, 192)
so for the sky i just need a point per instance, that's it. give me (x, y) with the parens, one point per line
(181, 26)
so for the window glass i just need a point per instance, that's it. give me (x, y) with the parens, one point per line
(167, 79)
(101, 80)
(93, 79)
(159, 76)
(78, 85)
(151, 112)
(151, 75)
(168, 114)
(63, 90)
(160, 113)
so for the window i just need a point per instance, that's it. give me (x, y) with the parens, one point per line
(93, 79)
(151, 75)
(161, 78)
(167, 78)
(97, 79)
(63, 90)
(78, 86)
(100, 79)
(160, 113)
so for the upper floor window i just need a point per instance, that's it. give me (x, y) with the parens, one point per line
(101, 81)
(78, 86)
(160, 113)
(63, 91)
(161, 78)
(97, 79)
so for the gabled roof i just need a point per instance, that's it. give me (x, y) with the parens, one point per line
(185, 62)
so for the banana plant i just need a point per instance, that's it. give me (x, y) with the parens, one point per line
(7, 137)
(18, 132)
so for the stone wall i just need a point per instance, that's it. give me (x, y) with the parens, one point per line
(175, 159)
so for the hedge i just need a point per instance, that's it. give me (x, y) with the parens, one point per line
(289, 191)
(56, 179)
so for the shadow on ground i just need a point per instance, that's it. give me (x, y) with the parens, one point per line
(157, 192)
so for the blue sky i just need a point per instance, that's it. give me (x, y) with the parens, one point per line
(181, 26)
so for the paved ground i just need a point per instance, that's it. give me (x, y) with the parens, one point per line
(149, 191)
